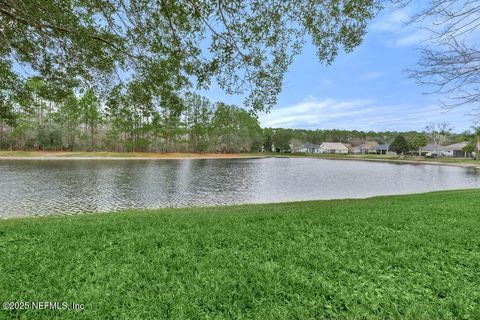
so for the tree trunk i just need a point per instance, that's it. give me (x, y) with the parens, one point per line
(91, 136)
(1, 133)
(477, 156)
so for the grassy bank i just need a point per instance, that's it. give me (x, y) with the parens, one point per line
(385, 158)
(415, 256)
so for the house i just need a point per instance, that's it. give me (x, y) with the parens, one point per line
(333, 147)
(311, 148)
(454, 150)
(382, 149)
(364, 148)
(431, 148)
(307, 148)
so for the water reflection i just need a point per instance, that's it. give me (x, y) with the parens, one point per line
(68, 186)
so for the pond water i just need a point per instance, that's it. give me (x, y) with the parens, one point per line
(44, 187)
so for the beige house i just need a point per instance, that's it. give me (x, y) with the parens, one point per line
(364, 148)
(305, 148)
(333, 147)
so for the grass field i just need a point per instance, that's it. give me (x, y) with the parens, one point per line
(414, 257)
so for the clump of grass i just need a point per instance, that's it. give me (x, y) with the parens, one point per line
(413, 256)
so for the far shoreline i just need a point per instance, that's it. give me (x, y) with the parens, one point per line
(102, 155)
(67, 155)
(406, 161)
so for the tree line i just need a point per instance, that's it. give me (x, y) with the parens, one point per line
(441, 134)
(124, 120)
(127, 118)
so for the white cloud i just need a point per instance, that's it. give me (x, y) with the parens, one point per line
(391, 21)
(359, 114)
(393, 24)
(412, 39)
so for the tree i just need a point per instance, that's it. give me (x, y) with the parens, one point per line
(281, 139)
(470, 147)
(9, 83)
(438, 133)
(199, 115)
(68, 116)
(234, 129)
(417, 141)
(267, 146)
(224, 128)
(476, 140)
(91, 117)
(295, 144)
(399, 145)
(164, 42)
(450, 60)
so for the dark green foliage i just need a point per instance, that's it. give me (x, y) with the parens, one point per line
(282, 137)
(9, 87)
(400, 145)
(281, 140)
(234, 129)
(417, 141)
(126, 121)
(473, 141)
(345, 136)
(198, 118)
(400, 257)
(163, 44)
(268, 143)
(471, 146)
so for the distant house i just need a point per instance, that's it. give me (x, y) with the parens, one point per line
(307, 148)
(454, 150)
(431, 148)
(364, 148)
(382, 149)
(311, 148)
(333, 147)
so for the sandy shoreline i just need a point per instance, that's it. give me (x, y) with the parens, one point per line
(46, 158)
(126, 158)
(59, 155)
(39, 155)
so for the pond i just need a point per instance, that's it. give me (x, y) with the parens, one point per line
(45, 187)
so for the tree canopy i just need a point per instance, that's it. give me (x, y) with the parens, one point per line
(400, 145)
(173, 45)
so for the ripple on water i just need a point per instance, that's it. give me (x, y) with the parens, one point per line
(54, 187)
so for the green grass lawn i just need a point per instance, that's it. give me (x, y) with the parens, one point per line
(415, 256)
(380, 157)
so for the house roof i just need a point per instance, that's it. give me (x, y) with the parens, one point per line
(371, 143)
(454, 147)
(333, 146)
(431, 147)
(382, 147)
(309, 145)
(367, 145)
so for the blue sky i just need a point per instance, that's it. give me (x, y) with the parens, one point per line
(368, 89)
